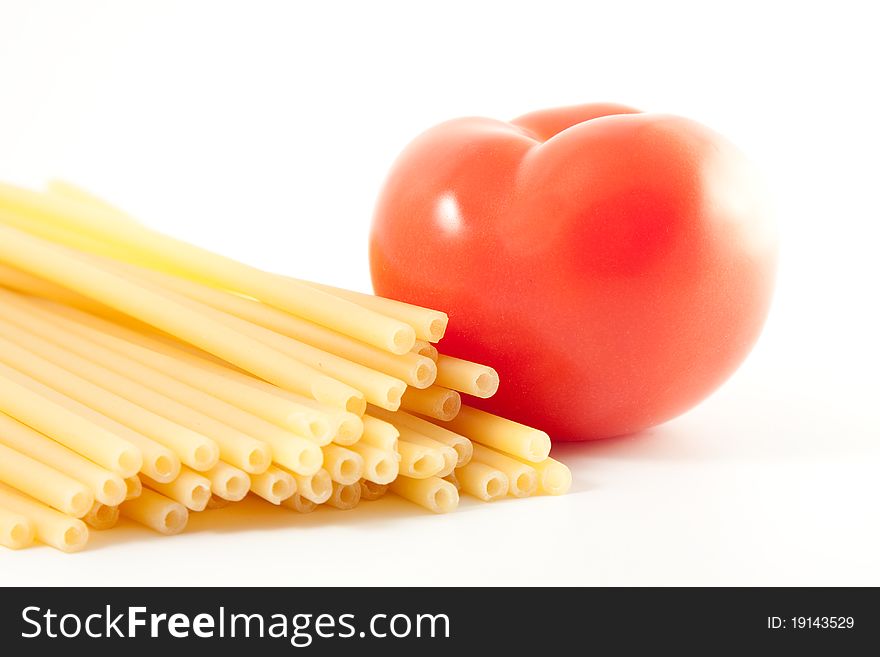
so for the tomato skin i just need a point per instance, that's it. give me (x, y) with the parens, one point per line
(614, 266)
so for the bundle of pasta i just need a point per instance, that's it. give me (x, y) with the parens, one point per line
(144, 377)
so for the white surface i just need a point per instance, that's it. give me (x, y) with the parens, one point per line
(263, 130)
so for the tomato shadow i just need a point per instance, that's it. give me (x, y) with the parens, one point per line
(650, 443)
(665, 443)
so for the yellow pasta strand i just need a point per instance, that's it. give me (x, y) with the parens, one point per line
(523, 478)
(16, 530)
(430, 325)
(146, 378)
(274, 485)
(501, 434)
(38, 406)
(345, 496)
(380, 466)
(190, 489)
(136, 299)
(482, 481)
(107, 487)
(465, 376)
(432, 493)
(316, 488)
(44, 483)
(102, 517)
(50, 526)
(371, 491)
(152, 248)
(90, 386)
(412, 368)
(292, 451)
(300, 504)
(157, 512)
(345, 466)
(228, 482)
(463, 446)
(435, 402)
(297, 416)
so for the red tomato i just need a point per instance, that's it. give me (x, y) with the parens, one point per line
(614, 266)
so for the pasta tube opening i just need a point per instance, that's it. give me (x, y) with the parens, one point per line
(133, 488)
(16, 530)
(191, 489)
(371, 491)
(300, 504)
(102, 517)
(482, 481)
(436, 402)
(228, 482)
(344, 465)
(433, 493)
(159, 513)
(345, 496)
(380, 466)
(471, 378)
(274, 485)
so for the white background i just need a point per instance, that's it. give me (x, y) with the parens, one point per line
(263, 130)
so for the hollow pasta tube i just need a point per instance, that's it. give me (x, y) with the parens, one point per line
(450, 456)
(33, 404)
(371, 491)
(341, 426)
(379, 434)
(433, 493)
(380, 466)
(501, 434)
(102, 517)
(142, 301)
(345, 466)
(66, 373)
(554, 478)
(50, 526)
(228, 482)
(345, 496)
(149, 247)
(78, 375)
(426, 349)
(435, 402)
(304, 419)
(483, 481)
(377, 387)
(413, 368)
(23, 282)
(429, 325)
(292, 451)
(157, 512)
(463, 446)
(16, 530)
(44, 483)
(274, 485)
(463, 375)
(316, 488)
(107, 487)
(453, 479)
(300, 504)
(523, 478)
(133, 488)
(190, 489)
(418, 461)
